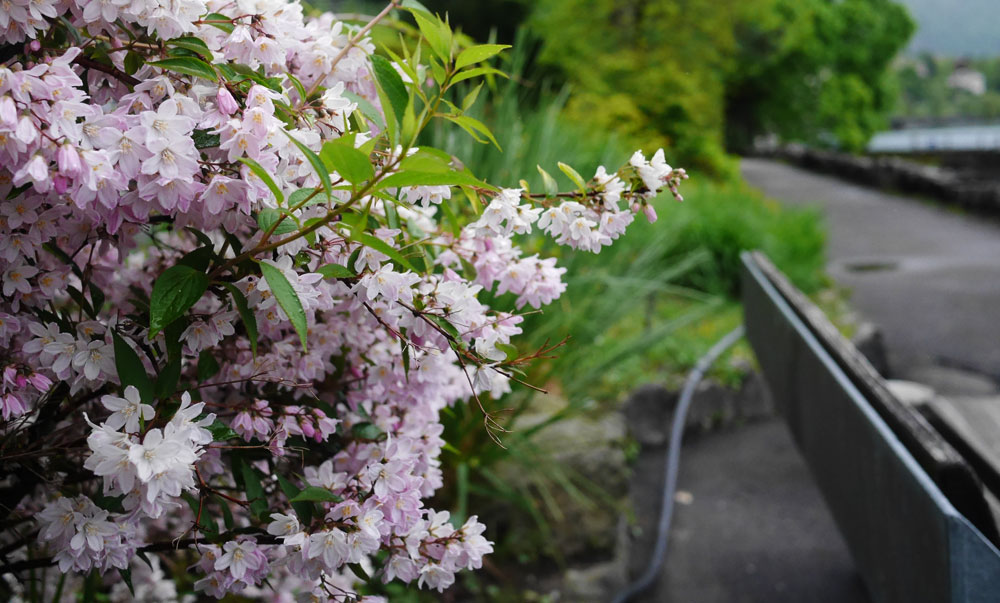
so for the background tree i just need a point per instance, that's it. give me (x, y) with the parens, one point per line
(703, 75)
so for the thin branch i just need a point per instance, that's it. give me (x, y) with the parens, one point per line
(111, 70)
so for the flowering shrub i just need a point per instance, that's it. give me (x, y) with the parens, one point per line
(236, 295)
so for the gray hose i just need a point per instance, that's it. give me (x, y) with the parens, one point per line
(673, 463)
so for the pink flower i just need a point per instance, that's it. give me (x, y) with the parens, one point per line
(225, 101)
(68, 160)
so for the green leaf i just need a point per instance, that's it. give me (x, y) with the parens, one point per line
(226, 27)
(335, 271)
(414, 178)
(188, 66)
(200, 258)
(474, 127)
(574, 176)
(203, 139)
(73, 31)
(110, 503)
(352, 164)
(227, 514)
(208, 367)
(437, 34)
(133, 62)
(367, 109)
(470, 98)
(304, 510)
(174, 292)
(359, 571)
(445, 325)
(476, 72)
(299, 197)
(314, 161)
(254, 489)
(391, 215)
(77, 296)
(130, 368)
(315, 494)
(126, 575)
(287, 298)
(474, 200)
(392, 84)
(96, 296)
(268, 217)
(221, 432)
(297, 85)
(248, 317)
(427, 159)
(367, 431)
(551, 186)
(261, 173)
(191, 43)
(166, 382)
(477, 54)
(508, 349)
(379, 245)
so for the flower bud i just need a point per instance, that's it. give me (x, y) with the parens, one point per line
(8, 111)
(225, 101)
(649, 212)
(60, 183)
(68, 160)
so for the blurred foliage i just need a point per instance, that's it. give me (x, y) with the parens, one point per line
(702, 75)
(926, 95)
(814, 70)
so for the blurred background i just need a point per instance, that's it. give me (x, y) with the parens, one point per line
(901, 95)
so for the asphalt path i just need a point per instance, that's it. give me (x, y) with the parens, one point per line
(749, 525)
(927, 275)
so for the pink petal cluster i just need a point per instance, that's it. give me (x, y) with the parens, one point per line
(279, 380)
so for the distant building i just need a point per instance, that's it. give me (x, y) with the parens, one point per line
(970, 80)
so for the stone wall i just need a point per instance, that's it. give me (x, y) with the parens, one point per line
(895, 174)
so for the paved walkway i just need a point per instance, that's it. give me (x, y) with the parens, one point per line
(928, 276)
(751, 526)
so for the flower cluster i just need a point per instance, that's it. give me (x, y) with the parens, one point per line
(86, 536)
(150, 473)
(226, 269)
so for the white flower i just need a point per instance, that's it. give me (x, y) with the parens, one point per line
(92, 532)
(155, 454)
(127, 411)
(61, 350)
(16, 278)
(282, 525)
(435, 576)
(239, 557)
(389, 285)
(184, 425)
(94, 357)
(331, 545)
(654, 173)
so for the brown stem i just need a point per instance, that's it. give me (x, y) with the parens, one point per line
(108, 69)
